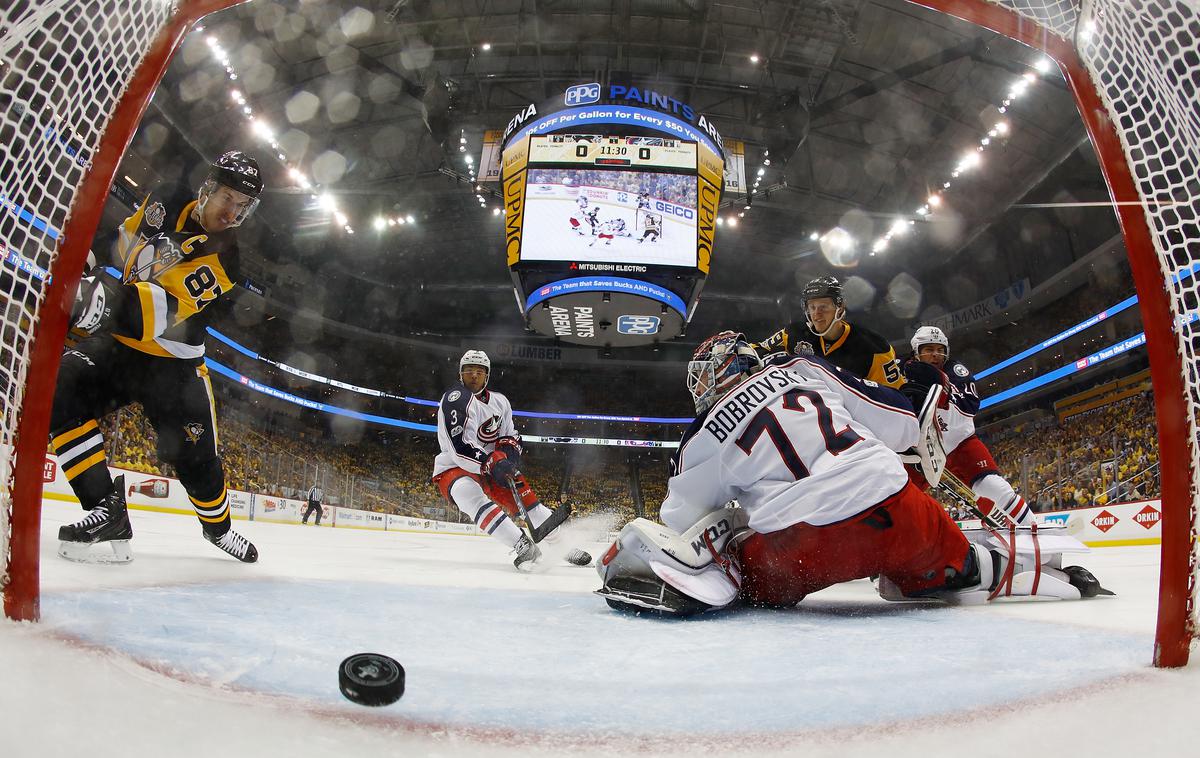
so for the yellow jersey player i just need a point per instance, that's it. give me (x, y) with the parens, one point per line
(826, 333)
(144, 342)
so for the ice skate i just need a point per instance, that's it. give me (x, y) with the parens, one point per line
(527, 553)
(107, 522)
(236, 545)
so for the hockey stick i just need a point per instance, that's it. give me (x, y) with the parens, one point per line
(575, 557)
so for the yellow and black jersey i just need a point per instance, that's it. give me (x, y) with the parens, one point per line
(859, 350)
(171, 272)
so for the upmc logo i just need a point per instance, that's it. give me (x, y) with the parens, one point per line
(582, 94)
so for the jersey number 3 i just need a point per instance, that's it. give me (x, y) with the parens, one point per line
(766, 421)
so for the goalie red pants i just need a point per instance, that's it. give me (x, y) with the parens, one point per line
(500, 495)
(908, 538)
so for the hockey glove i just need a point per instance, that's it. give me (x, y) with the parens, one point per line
(499, 468)
(511, 447)
(95, 303)
(920, 378)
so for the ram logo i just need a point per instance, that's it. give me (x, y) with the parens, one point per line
(582, 94)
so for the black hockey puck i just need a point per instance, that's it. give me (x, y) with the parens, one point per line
(579, 557)
(371, 679)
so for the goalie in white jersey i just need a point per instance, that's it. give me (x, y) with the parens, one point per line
(477, 469)
(809, 452)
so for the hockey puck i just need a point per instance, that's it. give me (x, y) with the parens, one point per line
(579, 557)
(371, 679)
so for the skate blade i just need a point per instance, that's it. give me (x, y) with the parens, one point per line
(82, 552)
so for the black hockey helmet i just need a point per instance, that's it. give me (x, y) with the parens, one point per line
(824, 286)
(238, 171)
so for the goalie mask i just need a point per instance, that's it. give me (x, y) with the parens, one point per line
(475, 358)
(718, 365)
(238, 172)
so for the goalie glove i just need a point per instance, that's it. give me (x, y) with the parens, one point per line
(95, 303)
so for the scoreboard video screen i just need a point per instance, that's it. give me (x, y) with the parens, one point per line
(608, 198)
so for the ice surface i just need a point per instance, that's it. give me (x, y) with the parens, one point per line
(187, 652)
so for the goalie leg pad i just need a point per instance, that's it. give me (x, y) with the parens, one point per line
(652, 567)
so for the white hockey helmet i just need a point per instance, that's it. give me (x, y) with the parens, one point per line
(475, 358)
(720, 363)
(930, 335)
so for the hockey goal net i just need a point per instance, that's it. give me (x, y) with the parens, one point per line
(75, 77)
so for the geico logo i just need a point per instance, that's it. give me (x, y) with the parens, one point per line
(674, 210)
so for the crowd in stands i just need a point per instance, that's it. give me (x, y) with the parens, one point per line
(1104, 455)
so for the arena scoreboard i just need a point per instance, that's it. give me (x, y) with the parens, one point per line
(610, 216)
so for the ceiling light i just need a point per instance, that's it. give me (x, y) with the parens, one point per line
(340, 217)
(1002, 127)
(261, 128)
(462, 148)
(899, 226)
(462, 140)
(400, 221)
(741, 214)
(380, 222)
(235, 95)
(328, 203)
(485, 46)
(754, 58)
(720, 221)
(814, 236)
(946, 185)
(391, 222)
(495, 211)
(762, 171)
(879, 246)
(410, 219)
(985, 141)
(766, 161)
(470, 160)
(732, 221)
(1043, 65)
(971, 160)
(934, 200)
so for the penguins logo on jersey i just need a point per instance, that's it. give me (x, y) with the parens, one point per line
(194, 432)
(490, 431)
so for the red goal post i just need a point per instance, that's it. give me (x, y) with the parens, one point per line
(1131, 66)
(75, 78)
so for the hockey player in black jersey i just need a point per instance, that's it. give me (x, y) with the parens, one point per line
(825, 332)
(143, 341)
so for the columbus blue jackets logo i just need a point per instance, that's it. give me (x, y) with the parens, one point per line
(490, 430)
(453, 396)
(960, 369)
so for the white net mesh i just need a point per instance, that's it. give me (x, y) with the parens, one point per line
(64, 66)
(1143, 58)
